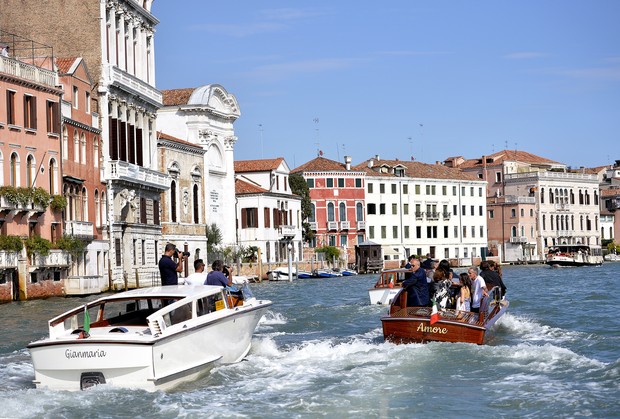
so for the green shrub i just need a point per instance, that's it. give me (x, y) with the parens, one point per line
(24, 196)
(11, 243)
(40, 197)
(59, 203)
(38, 245)
(72, 245)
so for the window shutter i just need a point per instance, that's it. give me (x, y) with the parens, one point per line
(267, 223)
(244, 218)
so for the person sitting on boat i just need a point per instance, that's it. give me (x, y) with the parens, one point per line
(199, 276)
(463, 302)
(416, 285)
(440, 289)
(491, 277)
(168, 268)
(216, 276)
(479, 289)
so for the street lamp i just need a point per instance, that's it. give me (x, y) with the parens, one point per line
(290, 262)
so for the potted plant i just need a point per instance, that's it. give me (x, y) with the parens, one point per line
(40, 197)
(58, 203)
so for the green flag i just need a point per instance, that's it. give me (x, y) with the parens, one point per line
(86, 319)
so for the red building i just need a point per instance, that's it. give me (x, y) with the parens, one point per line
(338, 205)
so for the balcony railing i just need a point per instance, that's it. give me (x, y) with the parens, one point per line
(432, 215)
(118, 76)
(332, 225)
(29, 207)
(446, 215)
(79, 229)
(55, 259)
(313, 225)
(121, 170)
(419, 215)
(8, 260)
(344, 225)
(28, 71)
(562, 207)
(84, 285)
(521, 239)
(361, 225)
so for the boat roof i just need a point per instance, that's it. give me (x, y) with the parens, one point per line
(166, 291)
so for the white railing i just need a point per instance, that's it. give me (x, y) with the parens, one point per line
(28, 71)
(56, 258)
(8, 260)
(313, 225)
(361, 225)
(287, 231)
(79, 228)
(83, 285)
(521, 239)
(332, 225)
(120, 170)
(115, 74)
(344, 225)
(515, 199)
(562, 207)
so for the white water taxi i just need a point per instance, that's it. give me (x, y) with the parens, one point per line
(148, 338)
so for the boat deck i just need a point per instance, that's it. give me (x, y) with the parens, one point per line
(448, 315)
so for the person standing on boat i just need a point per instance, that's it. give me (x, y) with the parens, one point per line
(479, 289)
(416, 285)
(216, 276)
(491, 277)
(168, 268)
(199, 276)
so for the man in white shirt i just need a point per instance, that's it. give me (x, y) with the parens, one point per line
(479, 289)
(199, 276)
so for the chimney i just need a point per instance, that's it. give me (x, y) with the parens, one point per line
(371, 162)
(377, 157)
(347, 162)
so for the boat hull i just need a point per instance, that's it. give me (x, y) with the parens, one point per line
(382, 295)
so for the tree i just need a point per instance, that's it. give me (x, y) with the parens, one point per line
(299, 187)
(214, 237)
(331, 253)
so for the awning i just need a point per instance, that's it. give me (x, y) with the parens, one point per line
(72, 179)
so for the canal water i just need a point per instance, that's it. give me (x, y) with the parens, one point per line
(320, 352)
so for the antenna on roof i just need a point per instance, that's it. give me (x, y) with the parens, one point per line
(411, 147)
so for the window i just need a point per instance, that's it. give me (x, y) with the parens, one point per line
(10, 107)
(30, 112)
(312, 217)
(249, 218)
(395, 232)
(394, 209)
(456, 232)
(358, 183)
(329, 182)
(393, 188)
(370, 188)
(498, 177)
(417, 189)
(472, 210)
(471, 191)
(383, 232)
(480, 210)
(454, 190)
(482, 232)
(330, 212)
(96, 152)
(462, 190)
(359, 211)
(341, 182)
(196, 203)
(382, 188)
(473, 231)
(479, 191)
(173, 201)
(405, 189)
(310, 183)
(406, 209)
(30, 171)
(381, 209)
(444, 190)
(464, 231)
(74, 102)
(406, 232)
(513, 212)
(491, 214)
(418, 234)
(83, 148)
(14, 170)
(371, 232)
(522, 212)
(87, 102)
(372, 209)
(342, 211)
(53, 117)
(343, 240)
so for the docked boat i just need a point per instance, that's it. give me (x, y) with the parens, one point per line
(147, 338)
(389, 284)
(418, 324)
(348, 272)
(612, 257)
(325, 273)
(574, 255)
(282, 274)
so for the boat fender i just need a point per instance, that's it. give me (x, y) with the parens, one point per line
(118, 330)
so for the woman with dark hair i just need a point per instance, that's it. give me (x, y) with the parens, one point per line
(463, 302)
(440, 288)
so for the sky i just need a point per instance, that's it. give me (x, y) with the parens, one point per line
(404, 79)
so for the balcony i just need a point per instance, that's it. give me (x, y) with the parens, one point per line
(84, 285)
(8, 260)
(419, 215)
(433, 215)
(446, 215)
(121, 170)
(55, 259)
(28, 72)
(332, 225)
(313, 225)
(361, 225)
(521, 239)
(126, 81)
(344, 225)
(29, 208)
(562, 207)
(286, 232)
(81, 229)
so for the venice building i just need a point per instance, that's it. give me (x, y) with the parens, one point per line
(116, 40)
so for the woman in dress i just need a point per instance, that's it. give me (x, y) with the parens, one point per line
(464, 300)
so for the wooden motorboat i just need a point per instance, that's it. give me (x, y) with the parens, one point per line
(148, 338)
(413, 324)
(387, 286)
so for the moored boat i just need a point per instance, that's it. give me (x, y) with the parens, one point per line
(612, 257)
(387, 286)
(148, 338)
(574, 255)
(413, 324)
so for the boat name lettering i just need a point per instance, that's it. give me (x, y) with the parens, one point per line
(98, 353)
(432, 329)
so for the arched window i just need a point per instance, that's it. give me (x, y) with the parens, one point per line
(330, 212)
(359, 211)
(76, 147)
(104, 208)
(83, 148)
(173, 201)
(342, 211)
(312, 216)
(513, 232)
(84, 205)
(14, 172)
(97, 209)
(96, 151)
(30, 171)
(196, 203)
(53, 176)
(65, 143)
